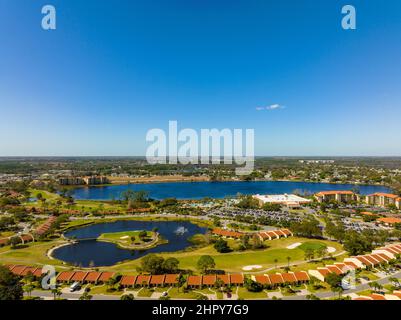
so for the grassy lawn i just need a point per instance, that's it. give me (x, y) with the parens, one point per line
(312, 245)
(243, 293)
(31, 254)
(145, 292)
(368, 274)
(102, 289)
(235, 261)
(127, 238)
(178, 293)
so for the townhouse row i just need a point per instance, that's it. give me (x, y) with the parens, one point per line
(263, 235)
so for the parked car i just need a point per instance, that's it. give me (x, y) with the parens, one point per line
(75, 286)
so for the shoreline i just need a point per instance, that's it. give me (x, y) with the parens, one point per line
(49, 252)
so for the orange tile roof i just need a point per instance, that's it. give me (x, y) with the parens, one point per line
(157, 279)
(236, 278)
(376, 296)
(171, 278)
(105, 276)
(28, 270)
(364, 261)
(323, 271)
(224, 277)
(351, 264)
(286, 232)
(79, 276)
(142, 280)
(93, 276)
(65, 275)
(276, 278)
(262, 279)
(227, 233)
(289, 277)
(194, 280)
(209, 280)
(335, 270)
(128, 280)
(389, 220)
(18, 270)
(372, 259)
(301, 276)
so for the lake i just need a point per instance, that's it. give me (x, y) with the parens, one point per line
(199, 190)
(98, 253)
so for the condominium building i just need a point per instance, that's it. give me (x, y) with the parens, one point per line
(384, 200)
(336, 196)
(89, 180)
(71, 181)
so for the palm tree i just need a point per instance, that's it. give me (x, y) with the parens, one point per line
(28, 289)
(288, 261)
(275, 263)
(395, 281)
(56, 292)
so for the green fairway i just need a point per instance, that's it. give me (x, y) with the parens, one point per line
(312, 245)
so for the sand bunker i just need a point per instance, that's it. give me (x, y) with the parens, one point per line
(249, 268)
(294, 245)
(124, 237)
(331, 249)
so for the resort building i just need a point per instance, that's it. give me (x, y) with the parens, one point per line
(288, 200)
(77, 181)
(336, 196)
(384, 200)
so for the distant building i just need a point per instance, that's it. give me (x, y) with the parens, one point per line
(95, 180)
(389, 221)
(336, 196)
(289, 200)
(384, 200)
(89, 180)
(71, 181)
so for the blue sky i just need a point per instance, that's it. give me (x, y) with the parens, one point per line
(114, 69)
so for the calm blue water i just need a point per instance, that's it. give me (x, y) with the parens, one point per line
(199, 190)
(107, 254)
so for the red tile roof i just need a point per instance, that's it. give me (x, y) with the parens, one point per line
(194, 280)
(224, 277)
(157, 279)
(301, 276)
(289, 277)
(93, 276)
(142, 280)
(236, 278)
(276, 278)
(79, 276)
(65, 275)
(262, 279)
(227, 233)
(171, 278)
(18, 270)
(209, 280)
(105, 276)
(128, 281)
(335, 270)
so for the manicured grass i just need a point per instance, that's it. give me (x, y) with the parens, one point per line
(243, 293)
(312, 245)
(145, 292)
(235, 261)
(34, 253)
(124, 238)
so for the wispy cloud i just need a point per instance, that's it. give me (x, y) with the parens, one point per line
(270, 107)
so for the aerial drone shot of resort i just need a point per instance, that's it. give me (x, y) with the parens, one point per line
(227, 152)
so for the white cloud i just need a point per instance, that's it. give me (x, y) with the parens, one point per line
(271, 107)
